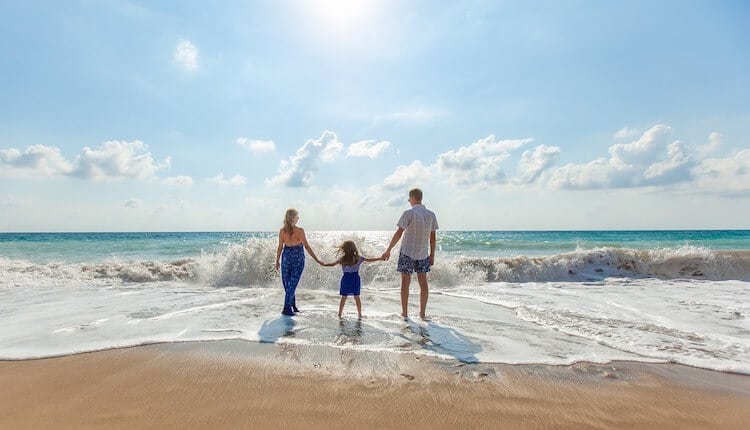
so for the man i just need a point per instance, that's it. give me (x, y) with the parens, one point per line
(417, 254)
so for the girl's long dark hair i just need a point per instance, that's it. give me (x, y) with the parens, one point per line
(348, 254)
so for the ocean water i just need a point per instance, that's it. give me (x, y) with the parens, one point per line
(507, 297)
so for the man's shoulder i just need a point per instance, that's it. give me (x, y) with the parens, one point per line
(427, 211)
(407, 212)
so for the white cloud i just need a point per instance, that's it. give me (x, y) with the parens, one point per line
(728, 176)
(299, 169)
(367, 148)
(675, 168)
(186, 55)
(714, 143)
(179, 180)
(407, 176)
(479, 163)
(256, 146)
(534, 163)
(111, 160)
(652, 159)
(36, 160)
(133, 203)
(117, 159)
(625, 133)
(643, 150)
(234, 180)
(594, 174)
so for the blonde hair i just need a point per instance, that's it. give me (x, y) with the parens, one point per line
(290, 215)
(348, 254)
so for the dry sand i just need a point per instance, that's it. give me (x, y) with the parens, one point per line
(246, 385)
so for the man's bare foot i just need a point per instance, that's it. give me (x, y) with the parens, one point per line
(405, 317)
(423, 317)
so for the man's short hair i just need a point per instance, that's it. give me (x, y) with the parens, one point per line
(416, 194)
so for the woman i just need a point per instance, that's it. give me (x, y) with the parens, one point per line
(292, 240)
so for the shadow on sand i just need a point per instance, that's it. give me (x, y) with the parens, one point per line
(442, 340)
(350, 332)
(272, 330)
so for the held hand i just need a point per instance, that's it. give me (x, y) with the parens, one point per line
(386, 255)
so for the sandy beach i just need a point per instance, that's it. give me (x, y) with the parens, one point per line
(247, 385)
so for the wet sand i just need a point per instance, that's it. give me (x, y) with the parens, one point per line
(234, 384)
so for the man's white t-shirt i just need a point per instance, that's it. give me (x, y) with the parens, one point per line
(418, 223)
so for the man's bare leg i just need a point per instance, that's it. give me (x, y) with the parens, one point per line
(423, 293)
(405, 281)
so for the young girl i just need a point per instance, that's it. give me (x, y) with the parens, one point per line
(350, 260)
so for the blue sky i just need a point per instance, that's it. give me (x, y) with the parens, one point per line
(148, 116)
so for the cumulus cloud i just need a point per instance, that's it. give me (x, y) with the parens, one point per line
(367, 148)
(479, 163)
(117, 159)
(534, 163)
(728, 176)
(234, 180)
(299, 169)
(626, 133)
(111, 160)
(653, 159)
(186, 55)
(256, 146)
(407, 176)
(179, 180)
(36, 160)
(714, 143)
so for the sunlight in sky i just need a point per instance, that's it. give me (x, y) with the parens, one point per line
(151, 116)
(337, 23)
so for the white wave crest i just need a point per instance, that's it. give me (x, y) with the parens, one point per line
(252, 264)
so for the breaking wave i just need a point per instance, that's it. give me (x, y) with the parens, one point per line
(252, 264)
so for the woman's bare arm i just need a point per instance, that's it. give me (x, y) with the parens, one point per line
(278, 249)
(307, 246)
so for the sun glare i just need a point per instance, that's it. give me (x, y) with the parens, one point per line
(340, 18)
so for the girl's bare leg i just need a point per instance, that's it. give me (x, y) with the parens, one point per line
(341, 305)
(359, 306)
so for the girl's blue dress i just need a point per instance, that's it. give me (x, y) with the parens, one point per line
(351, 282)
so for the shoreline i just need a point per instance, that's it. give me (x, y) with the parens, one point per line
(248, 384)
(254, 347)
